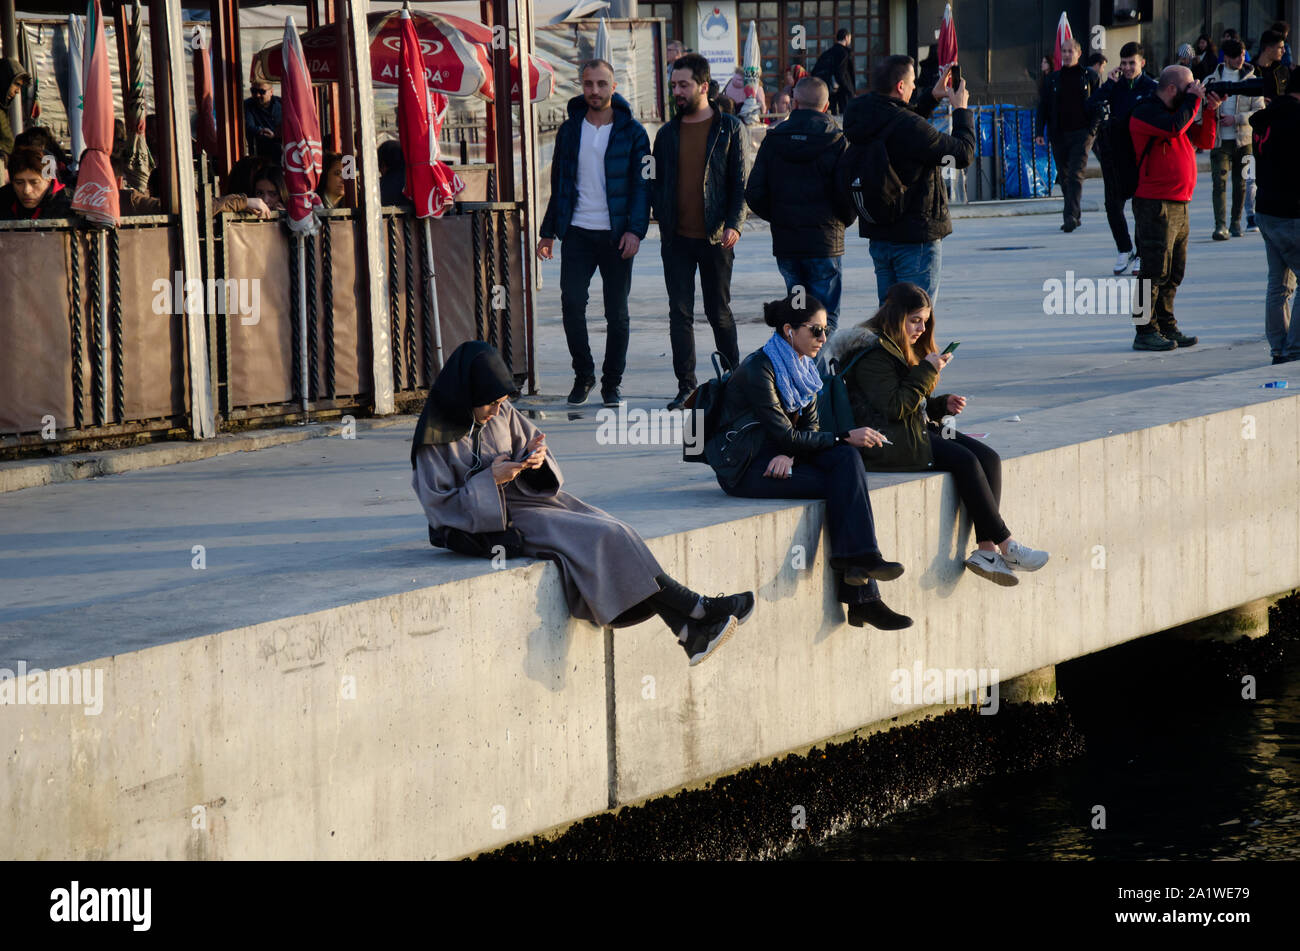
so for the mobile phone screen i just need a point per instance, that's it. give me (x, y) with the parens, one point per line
(951, 347)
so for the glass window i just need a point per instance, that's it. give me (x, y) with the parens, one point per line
(792, 12)
(769, 28)
(809, 10)
(845, 10)
(827, 28)
(769, 10)
(860, 26)
(747, 11)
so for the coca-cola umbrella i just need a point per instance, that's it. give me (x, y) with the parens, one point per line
(430, 185)
(947, 44)
(203, 101)
(452, 64)
(1063, 35)
(140, 160)
(541, 77)
(300, 130)
(95, 196)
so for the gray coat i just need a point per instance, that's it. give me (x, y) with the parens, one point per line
(605, 566)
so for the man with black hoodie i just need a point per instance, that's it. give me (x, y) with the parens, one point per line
(908, 249)
(12, 79)
(600, 211)
(1065, 120)
(1277, 212)
(792, 185)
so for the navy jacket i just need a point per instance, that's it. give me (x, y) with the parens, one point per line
(1114, 101)
(627, 181)
(724, 177)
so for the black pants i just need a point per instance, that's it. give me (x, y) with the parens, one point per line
(582, 252)
(1115, 201)
(977, 470)
(837, 476)
(681, 257)
(1070, 152)
(1162, 233)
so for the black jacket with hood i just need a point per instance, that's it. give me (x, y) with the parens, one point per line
(10, 69)
(917, 153)
(890, 397)
(792, 185)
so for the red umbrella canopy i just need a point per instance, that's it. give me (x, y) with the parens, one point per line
(541, 77)
(1063, 34)
(96, 193)
(452, 64)
(203, 95)
(430, 185)
(947, 51)
(300, 129)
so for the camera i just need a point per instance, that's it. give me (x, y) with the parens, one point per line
(1271, 84)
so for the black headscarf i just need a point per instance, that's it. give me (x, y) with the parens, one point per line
(474, 375)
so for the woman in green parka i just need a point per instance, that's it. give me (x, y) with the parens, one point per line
(893, 370)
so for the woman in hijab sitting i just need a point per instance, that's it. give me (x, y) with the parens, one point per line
(487, 481)
(769, 445)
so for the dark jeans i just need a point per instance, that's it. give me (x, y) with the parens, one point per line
(1226, 159)
(821, 278)
(977, 470)
(837, 476)
(1162, 249)
(681, 257)
(582, 252)
(1114, 203)
(1070, 152)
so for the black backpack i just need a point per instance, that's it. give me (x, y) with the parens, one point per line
(1125, 163)
(705, 407)
(865, 178)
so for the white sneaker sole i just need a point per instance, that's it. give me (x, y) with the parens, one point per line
(1020, 567)
(997, 577)
(721, 638)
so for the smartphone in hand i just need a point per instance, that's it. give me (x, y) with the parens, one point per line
(950, 348)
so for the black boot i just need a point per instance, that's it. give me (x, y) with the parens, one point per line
(878, 615)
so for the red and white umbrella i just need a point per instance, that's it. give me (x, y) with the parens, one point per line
(430, 185)
(300, 130)
(203, 98)
(541, 77)
(1063, 34)
(96, 193)
(452, 64)
(947, 45)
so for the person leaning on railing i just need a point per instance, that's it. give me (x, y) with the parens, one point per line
(133, 202)
(30, 194)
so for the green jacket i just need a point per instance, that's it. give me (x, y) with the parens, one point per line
(890, 397)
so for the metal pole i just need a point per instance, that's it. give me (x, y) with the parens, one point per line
(433, 292)
(302, 322)
(102, 236)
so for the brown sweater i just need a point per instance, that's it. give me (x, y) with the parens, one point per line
(694, 138)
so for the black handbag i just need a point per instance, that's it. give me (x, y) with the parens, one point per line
(479, 544)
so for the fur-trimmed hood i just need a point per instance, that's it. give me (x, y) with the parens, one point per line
(847, 341)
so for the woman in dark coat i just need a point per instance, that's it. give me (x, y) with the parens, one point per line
(892, 368)
(769, 445)
(488, 484)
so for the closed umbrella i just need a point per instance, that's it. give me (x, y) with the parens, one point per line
(752, 68)
(1062, 35)
(76, 43)
(203, 99)
(140, 161)
(300, 129)
(429, 183)
(602, 41)
(947, 51)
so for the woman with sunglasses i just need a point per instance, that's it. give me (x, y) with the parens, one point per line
(892, 370)
(488, 485)
(768, 446)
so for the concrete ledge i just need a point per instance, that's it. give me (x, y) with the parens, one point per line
(455, 717)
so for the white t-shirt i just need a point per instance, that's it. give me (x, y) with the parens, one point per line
(591, 210)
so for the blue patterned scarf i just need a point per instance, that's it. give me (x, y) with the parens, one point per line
(797, 380)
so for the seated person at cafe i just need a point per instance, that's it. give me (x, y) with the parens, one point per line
(31, 192)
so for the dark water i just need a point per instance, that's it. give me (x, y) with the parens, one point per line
(1185, 768)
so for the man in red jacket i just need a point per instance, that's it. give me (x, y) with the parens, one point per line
(1167, 129)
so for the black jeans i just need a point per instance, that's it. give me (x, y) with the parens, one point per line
(837, 476)
(1162, 233)
(581, 253)
(1114, 202)
(681, 257)
(977, 470)
(1070, 152)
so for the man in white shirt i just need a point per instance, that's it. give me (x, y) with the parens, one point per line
(1233, 144)
(600, 210)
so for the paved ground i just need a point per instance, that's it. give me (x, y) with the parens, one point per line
(106, 565)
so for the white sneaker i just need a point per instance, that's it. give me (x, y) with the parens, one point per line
(1023, 558)
(1121, 262)
(989, 564)
(1137, 264)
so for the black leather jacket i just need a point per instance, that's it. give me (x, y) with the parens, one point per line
(724, 177)
(751, 415)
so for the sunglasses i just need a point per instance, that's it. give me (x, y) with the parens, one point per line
(817, 330)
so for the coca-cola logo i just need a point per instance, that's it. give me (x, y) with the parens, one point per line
(303, 155)
(91, 195)
(427, 47)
